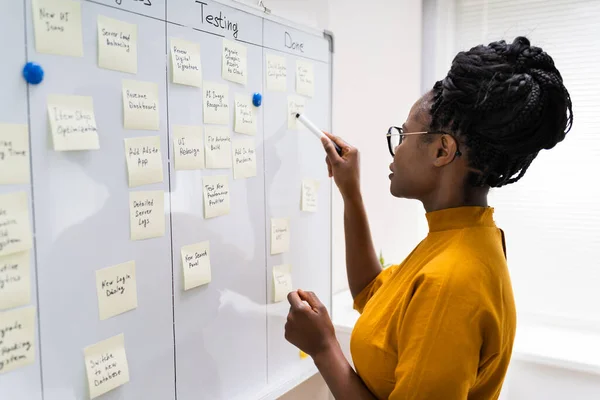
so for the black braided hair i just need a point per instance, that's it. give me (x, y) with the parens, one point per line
(506, 102)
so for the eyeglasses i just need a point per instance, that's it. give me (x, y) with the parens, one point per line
(395, 136)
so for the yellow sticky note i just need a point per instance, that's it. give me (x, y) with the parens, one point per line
(186, 66)
(305, 78)
(140, 105)
(147, 214)
(144, 161)
(245, 115)
(295, 106)
(310, 189)
(14, 154)
(303, 355)
(106, 365)
(244, 158)
(217, 147)
(282, 282)
(215, 103)
(280, 235)
(17, 338)
(276, 73)
(216, 195)
(195, 259)
(188, 147)
(15, 284)
(72, 123)
(15, 232)
(117, 45)
(234, 66)
(57, 25)
(116, 289)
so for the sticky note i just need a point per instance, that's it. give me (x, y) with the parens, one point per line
(15, 232)
(245, 115)
(303, 355)
(280, 235)
(310, 189)
(116, 289)
(195, 259)
(15, 281)
(218, 147)
(295, 106)
(216, 195)
(147, 214)
(276, 73)
(72, 123)
(140, 105)
(14, 154)
(188, 147)
(57, 26)
(244, 158)
(235, 62)
(106, 365)
(186, 66)
(282, 282)
(144, 161)
(305, 78)
(117, 45)
(215, 103)
(17, 338)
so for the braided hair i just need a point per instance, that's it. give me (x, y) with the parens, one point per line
(506, 102)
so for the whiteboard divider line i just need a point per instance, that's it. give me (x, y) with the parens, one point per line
(31, 197)
(168, 130)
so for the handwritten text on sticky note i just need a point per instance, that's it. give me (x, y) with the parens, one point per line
(106, 365)
(57, 26)
(216, 195)
(147, 214)
(116, 289)
(282, 282)
(215, 103)
(73, 123)
(195, 259)
(305, 79)
(17, 336)
(310, 190)
(218, 147)
(144, 161)
(280, 235)
(245, 115)
(140, 105)
(185, 62)
(295, 106)
(276, 73)
(15, 284)
(244, 158)
(117, 45)
(14, 154)
(235, 62)
(15, 232)
(188, 147)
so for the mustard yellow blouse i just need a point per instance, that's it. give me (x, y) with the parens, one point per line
(440, 325)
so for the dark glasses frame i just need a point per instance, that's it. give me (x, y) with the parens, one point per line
(398, 131)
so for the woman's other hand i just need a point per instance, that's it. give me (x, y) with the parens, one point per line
(308, 326)
(344, 169)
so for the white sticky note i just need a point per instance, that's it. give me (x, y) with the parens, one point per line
(217, 147)
(186, 66)
(140, 105)
(57, 25)
(235, 62)
(14, 154)
(72, 123)
(244, 158)
(116, 289)
(15, 281)
(280, 235)
(296, 105)
(117, 45)
(147, 214)
(216, 195)
(17, 338)
(195, 259)
(144, 161)
(310, 191)
(188, 147)
(245, 115)
(276, 73)
(305, 78)
(282, 282)
(15, 232)
(106, 365)
(215, 103)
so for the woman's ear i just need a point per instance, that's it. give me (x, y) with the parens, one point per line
(445, 151)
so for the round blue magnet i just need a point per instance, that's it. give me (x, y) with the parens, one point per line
(33, 73)
(257, 99)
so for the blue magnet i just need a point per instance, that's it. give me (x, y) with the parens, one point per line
(33, 73)
(257, 99)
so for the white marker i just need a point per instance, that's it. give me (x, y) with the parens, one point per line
(316, 131)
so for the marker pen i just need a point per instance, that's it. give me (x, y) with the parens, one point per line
(316, 131)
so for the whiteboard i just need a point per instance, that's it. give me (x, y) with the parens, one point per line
(223, 340)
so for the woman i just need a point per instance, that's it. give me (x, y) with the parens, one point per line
(440, 325)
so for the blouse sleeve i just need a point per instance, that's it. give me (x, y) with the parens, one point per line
(361, 300)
